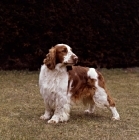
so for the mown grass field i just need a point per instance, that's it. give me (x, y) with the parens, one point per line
(21, 106)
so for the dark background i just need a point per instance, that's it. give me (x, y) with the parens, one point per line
(102, 33)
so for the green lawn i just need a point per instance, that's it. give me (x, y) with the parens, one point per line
(21, 105)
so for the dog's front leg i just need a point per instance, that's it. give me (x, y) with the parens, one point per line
(61, 114)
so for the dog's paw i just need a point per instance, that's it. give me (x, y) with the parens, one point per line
(88, 112)
(115, 118)
(44, 117)
(53, 121)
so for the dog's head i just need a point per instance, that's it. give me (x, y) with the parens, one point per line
(61, 53)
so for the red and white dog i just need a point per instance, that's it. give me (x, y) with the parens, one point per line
(61, 83)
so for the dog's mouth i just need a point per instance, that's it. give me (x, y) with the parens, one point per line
(71, 61)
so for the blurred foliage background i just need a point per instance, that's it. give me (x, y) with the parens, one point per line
(102, 33)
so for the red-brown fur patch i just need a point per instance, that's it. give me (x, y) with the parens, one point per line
(83, 87)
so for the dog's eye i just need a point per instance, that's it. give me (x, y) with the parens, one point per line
(64, 50)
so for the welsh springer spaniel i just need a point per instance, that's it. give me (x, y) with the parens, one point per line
(61, 84)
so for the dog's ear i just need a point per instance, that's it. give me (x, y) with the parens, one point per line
(50, 60)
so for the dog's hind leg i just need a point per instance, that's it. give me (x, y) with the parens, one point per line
(113, 108)
(102, 99)
(91, 107)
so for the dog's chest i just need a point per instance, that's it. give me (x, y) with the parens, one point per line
(56, 81)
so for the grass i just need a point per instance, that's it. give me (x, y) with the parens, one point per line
(21, 106)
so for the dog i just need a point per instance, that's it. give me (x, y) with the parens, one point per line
(61, 84)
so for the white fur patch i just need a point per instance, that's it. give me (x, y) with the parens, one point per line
(115, 113)
(53, 81)
(92, 73)
(53, 88)
(100, 97)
